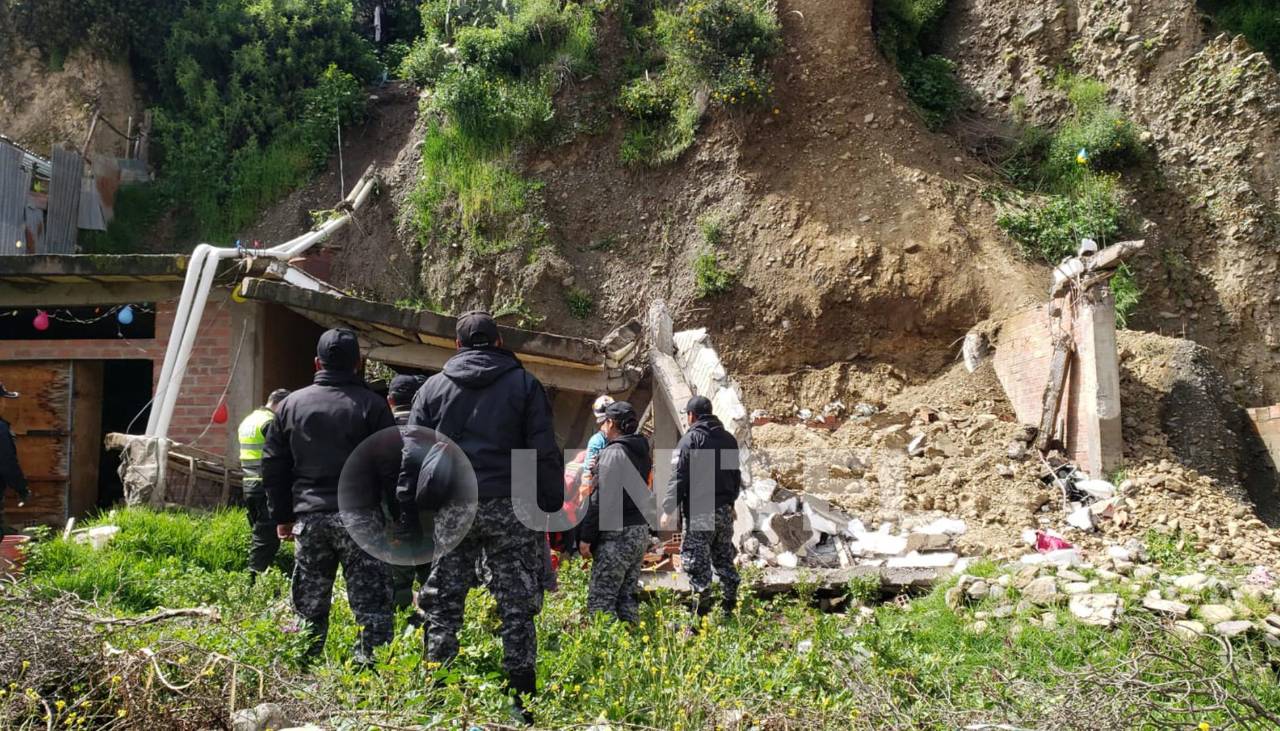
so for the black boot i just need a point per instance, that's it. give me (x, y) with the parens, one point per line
(523, 683)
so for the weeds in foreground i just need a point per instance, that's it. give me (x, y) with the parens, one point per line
(776, 663)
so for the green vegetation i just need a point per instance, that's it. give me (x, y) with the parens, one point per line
(777, 663)
(711, 226)
(580, 303)
(907, 33)
(1074, 173)
(716, 51)
(493, 93)
(138, 208)
(248, 93)
(710, 278)
(1257, 20)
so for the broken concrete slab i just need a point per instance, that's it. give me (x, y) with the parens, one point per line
(789, 533)
(917, 542)
(776, 580)
(1213, 614)
(1189, 629)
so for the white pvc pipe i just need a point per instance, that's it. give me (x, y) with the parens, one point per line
(194, 267)
(195, 295)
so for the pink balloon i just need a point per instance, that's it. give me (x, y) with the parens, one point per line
(41, 321)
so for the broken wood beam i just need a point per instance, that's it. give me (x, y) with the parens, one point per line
(1059, 366)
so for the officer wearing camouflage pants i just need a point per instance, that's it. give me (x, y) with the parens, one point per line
(615, 531)
(264, 542)
(705, 460)
(314, 432)
(500, 408)
(400, 398)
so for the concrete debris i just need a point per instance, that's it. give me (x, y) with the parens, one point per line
(1233, 628)
(1096, 609)
(1188, 629)
(260, 718)
(774, 526)
(1215, 614)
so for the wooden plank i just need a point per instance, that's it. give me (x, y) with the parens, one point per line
(431, 358)
(776, 580)
(86, 437)
(40, 419)
(1059, 368)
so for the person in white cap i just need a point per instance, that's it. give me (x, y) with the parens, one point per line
(596, 443)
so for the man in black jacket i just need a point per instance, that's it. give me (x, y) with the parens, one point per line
(490, 406)
(615, 531)
(11, 476)
(314, 431)
(706, 461)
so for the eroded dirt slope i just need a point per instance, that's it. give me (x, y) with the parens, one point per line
(1210, 200)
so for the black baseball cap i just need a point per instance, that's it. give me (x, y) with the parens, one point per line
(698, 406)
(404, 387)
(6, 393)
(338, 350)
(623, 414)
(476, 329)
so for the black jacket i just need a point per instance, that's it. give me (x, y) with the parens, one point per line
(707, 433)
(624, 459)
(11, 476)
(507, 410)
(316, 428)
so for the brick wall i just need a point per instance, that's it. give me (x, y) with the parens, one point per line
(1266, 419)
(1090, 413)
(207, 371)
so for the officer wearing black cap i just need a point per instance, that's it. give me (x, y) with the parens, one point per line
(706, 460)
(619, 511)
(314, 431)
(490, 406)
(11, 476)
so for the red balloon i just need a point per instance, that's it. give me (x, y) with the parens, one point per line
(220, 413)
(41, 321)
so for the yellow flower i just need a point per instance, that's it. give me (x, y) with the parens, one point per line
(121, 713)
(60, 704)
(26, 664)
(1204, 726)
(115, 679)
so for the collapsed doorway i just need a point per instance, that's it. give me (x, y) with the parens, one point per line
(126, 404)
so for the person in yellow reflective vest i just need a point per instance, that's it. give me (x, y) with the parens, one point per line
(252, 432)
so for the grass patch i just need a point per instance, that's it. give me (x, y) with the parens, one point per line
(710, 278)
(711, 226)
(906, 31)
(685, 57)
(494, 70)
(138, 209)
(777, 663)
(579, 302)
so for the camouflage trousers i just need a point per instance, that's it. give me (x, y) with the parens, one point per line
(513, 561)
(703, 551)
(616, 558)
(324, 543)
(263, 542)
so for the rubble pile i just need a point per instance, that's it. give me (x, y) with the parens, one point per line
(1195, 602)
(952, 449)
(775, 526)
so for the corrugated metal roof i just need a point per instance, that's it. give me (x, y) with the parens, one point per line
(15, 181)
(64, 202)
(38, 165)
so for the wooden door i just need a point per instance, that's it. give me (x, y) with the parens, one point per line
(41, 421)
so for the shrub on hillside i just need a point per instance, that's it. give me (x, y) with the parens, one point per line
(723, 45)
(1052, 230)
(425, 61)
(710, 278)
(661, 118)
(905, 30)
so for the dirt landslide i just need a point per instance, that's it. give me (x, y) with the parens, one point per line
(973, 462)
(1210, 196)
